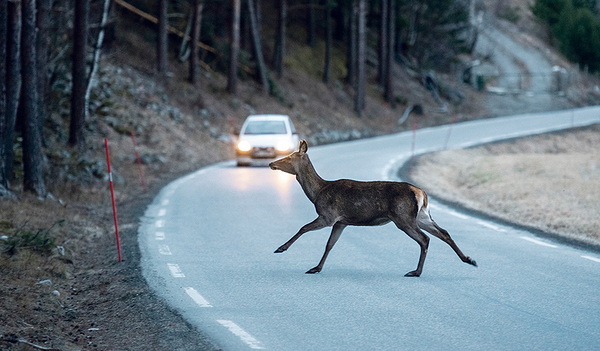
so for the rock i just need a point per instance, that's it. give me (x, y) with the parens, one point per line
(6, 193)
(46, 282)
(151, 158)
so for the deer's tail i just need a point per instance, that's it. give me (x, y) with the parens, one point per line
(422, 201)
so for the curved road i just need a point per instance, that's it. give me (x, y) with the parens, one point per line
(524, 70)
(207, 245)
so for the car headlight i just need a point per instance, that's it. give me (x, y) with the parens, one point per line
(283, 146)
(244, 146)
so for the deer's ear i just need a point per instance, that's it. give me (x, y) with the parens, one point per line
(303, 147)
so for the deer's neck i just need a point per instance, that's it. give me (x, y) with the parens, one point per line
(310, 181)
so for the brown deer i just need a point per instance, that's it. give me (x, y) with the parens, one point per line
(346, 202)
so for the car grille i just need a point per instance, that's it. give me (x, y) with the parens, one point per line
(263, 152)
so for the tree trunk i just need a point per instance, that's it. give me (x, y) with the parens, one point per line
(389, 79)
(328, 43)
(44, 7)
(339, 15)
(3, 37)
(33, 179)
(258, 6)
(162, 45)
(198, 6)
(311, 37)
(359, 103)
(91, 80)
(280, 40)
(258, 48)
(351, 52)
(13, 85)
(383, 40)
(80, 33)
(235, 48)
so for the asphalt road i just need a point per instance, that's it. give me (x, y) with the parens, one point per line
(207, 245)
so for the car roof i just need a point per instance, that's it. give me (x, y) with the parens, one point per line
(267, 117)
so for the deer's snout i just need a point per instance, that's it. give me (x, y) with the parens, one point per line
(273, 166)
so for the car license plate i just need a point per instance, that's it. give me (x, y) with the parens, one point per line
(264, 153)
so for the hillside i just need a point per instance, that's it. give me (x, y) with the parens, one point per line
(62, 285)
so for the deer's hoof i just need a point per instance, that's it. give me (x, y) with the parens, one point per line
(313, 270)
(413, 274)
(280, 249)
(471, 261)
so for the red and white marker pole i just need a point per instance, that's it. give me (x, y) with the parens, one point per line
(112, 194)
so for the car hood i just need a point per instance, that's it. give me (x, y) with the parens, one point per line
(264, 140)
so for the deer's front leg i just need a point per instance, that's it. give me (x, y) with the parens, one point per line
(314, 225)
(333, 238)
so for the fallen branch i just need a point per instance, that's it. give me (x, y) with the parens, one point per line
(14, 340)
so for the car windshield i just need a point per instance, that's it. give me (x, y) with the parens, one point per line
(265, 127)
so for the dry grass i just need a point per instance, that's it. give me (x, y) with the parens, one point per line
(550, 182)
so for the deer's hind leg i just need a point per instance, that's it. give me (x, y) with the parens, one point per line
(318, 223)
(412, 230)
(425, 222)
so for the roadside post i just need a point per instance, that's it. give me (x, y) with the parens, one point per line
(412, 148)
(139, 161)
(112, 194)
(449, 132)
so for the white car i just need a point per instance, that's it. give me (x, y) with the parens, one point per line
(265, 138)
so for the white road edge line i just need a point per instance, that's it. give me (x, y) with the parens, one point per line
(198, 299)
(535, 241)
(242, 334)
(175, 270)
(595, 259)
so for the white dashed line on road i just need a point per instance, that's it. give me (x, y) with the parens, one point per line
(242, 334)
(159, 235)
(448, 211)
(175, 270)
(491, 226)
(162, 212)
(164, 250)
(595, 259)
(539, 242)
(160, 224)
(198, 299)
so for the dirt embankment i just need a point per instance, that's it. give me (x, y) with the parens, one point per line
(550, 182)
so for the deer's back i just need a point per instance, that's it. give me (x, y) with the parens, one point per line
(365, 203)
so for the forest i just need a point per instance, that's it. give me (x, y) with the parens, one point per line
(52, 48)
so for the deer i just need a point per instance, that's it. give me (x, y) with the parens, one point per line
(345, 202)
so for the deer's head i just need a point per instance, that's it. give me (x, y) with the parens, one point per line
(291, 163)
